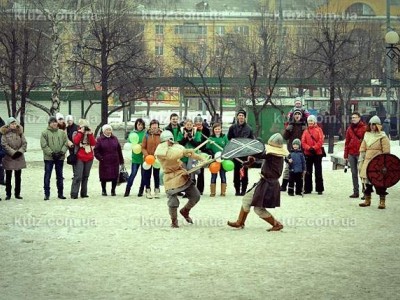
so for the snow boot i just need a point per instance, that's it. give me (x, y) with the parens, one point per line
(367, 201)
(213, 187)
(223, 189)
(382, 202)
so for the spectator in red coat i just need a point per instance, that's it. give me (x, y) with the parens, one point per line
(312, 142)
(354, 136)
(84, 142)
(109, 154)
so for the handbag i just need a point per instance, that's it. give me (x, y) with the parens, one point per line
(323, 151)
(123, 175)
(72, 159)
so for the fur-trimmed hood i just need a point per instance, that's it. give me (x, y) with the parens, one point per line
(6, 128)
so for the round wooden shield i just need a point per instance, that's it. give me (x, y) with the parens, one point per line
(384, 170)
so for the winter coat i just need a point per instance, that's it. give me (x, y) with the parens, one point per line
(373, 144)
(354, 136)
(298, 164)
(53, 141)
(221, 141)
(82, 154)
(240, 131)
(150, 142)
(312, 137)
(13, 140)
(175, 131)
(293, 131)
(137, 158)
(189, 143)
(70, 130)
(267, 192)
(109, 154)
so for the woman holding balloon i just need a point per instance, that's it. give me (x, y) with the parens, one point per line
(218, 141)
(150, 142)
(136, 138)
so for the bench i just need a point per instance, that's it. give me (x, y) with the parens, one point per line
(337, 162)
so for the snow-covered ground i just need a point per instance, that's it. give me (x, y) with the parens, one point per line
(123, 248)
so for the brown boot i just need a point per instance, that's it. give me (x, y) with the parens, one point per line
(174, 217)
(223, 189)
(174, 223)
(276, 226)
(367, 201)
(212, 189)
(382, 202)
(185, 213)
(241, 219)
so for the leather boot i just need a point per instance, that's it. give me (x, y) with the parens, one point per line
(241, 219)
(213, 187)
(367, 201)
(382, 202)
(185, 213)
(276, 226)
(174, 217)
(127, 192)
(223, 189)
(284, 185)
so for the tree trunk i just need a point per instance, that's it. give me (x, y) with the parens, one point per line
(13, 75)
(332, 112)
(104, 81)
(24, 77)
(56, 76)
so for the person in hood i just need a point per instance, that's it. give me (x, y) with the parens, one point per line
(375, 142)
(14, 144)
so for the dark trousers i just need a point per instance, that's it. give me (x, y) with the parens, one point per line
(237, 181)
(147, 177)
(200, 181)
(81, 177)
(1, 174)
(316, 162)
(379, 190)
(48, 169)
(295, 179)
(17, 190)
(104, 185)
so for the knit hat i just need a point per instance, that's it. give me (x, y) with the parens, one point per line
(52, 119)
(375, 120)
(10, 120)
(59, 116)
(83, 123)
(105, 127)
(296, 142)
(198, 119)
(241, 111)
(69, 118)
(297, 103)
(275, 146)
(297, 111)
(312, 118)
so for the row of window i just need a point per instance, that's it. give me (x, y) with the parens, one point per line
(201, 30)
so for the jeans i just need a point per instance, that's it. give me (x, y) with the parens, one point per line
(147, 177)
(222, 174)
(81, 176)
(353, 161)
(48, 169)
(134, 170)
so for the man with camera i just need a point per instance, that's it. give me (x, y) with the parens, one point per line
(54, 144)
(84, 142)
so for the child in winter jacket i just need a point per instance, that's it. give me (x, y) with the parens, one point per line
(297, 168)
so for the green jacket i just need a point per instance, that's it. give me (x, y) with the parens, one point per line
(221, 141)
(138, 158)
(53, 141)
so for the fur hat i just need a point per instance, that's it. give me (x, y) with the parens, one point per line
(241, 111)
(59, 116)
(83, 123)
(312, 118)
(105, 127)
(296, 142)
(10, 120)
(375, 120)
(275, 146)
(52, 119)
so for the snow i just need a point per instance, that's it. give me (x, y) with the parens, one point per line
(123, 248)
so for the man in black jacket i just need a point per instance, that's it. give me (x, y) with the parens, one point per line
(240, 130)
(2, 123)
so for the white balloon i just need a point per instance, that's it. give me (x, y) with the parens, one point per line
(218, 156)
(146, 166)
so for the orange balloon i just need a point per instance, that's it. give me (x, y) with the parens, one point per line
(214, 167)
(150, 159)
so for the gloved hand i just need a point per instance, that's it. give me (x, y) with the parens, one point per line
(289, 127)
(16, 155)
(250, 160)
(312, 151)
(56, 155)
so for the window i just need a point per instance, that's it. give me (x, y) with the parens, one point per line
(220, 30)
(178, 29)
(241, 30)
(202, 30)
(159, 29)
(159, 50)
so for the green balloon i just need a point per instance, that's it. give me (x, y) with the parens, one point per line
(133, 138)
(228, 165)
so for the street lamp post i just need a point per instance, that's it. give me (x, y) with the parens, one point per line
(393, 53)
